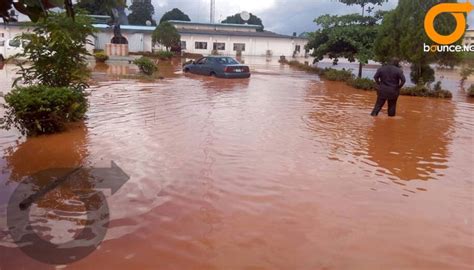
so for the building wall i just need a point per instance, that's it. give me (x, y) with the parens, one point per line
(468, 38)
(137, 41)
(10, 31)
(255, 46)
(141, 41)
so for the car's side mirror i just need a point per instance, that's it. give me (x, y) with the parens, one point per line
(194, 62)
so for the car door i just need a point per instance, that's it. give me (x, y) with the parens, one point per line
(199, 65)
(206, 68)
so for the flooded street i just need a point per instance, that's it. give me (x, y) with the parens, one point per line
(279, 171)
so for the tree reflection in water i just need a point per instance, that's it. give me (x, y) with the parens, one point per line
(60, 215)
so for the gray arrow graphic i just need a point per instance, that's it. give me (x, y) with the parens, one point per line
(109, 178)
(112, 178)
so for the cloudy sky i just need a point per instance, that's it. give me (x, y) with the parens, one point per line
(282, 16)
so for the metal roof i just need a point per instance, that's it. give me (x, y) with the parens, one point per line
(264, 34)
(253, 26)
(140, 28)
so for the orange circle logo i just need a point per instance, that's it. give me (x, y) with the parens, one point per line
(457, 10)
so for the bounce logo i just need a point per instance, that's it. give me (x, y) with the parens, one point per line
(458, 10)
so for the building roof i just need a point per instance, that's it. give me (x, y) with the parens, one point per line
(145, 29)
(264, 34)
(253, 26)
(137, 28)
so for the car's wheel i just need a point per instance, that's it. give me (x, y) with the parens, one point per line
(212, 74)
(186, 70)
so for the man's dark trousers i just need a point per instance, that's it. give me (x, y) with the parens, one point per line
(392, 106)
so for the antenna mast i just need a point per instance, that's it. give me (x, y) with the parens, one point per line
(213, 11)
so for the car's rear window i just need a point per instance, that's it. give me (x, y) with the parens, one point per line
(226, 61)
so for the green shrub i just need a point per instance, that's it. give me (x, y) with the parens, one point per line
(337, 75)
(362, 83)
(146, 65)
(470, 91)
(56, 51)
(101, 57)
(42, 109)
(164, 55)
(424, 91)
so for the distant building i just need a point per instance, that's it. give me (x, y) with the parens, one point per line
(469, 37)
(201, 38)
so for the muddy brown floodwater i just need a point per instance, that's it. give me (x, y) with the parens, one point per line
(280, 171)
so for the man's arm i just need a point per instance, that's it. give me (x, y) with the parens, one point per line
(402, 79)
(377, 77)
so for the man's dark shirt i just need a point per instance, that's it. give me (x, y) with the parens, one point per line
(389, 79)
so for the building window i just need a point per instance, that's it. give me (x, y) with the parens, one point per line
(239, 47)
(200, 45)
(298, 48)
(2, 35)
(183, 45)
(219, 46)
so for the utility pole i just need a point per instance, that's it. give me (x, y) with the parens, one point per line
(213, 11)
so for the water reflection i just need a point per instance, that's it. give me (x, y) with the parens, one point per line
(415, 149)
(59, 216)
(412, 146)
(273, 172)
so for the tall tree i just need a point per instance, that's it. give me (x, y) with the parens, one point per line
(142, 11)
(349, 36)
(236, 19)
(175, 15)
(34, 9)
(364, 3)
(100, 7)
(166, 35)
(402, 35)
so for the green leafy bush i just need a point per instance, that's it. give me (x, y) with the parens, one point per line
(164, 55)
(470, 91)
(424, 91)
(42, 109)
(337, 75)
(101, 57)
(146, 65)
(362, 83)
(56, 53)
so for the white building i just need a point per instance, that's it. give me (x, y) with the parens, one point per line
(468, 37)
(227, 39)
(203, 38)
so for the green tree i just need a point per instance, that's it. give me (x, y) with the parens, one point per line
(55, 76)
(349, 36)
(166, 35)
(402, 35)
(34, 9)
(142, 11)
(56, 53)
(364, 3)
(236, 19)
(176, 15)
(100, 7)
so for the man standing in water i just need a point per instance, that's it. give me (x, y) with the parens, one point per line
(389, 79)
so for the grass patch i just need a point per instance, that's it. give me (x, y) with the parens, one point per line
(368, 84)
(101, 57)
(425, 91)
(363, 84)
(470, 91)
